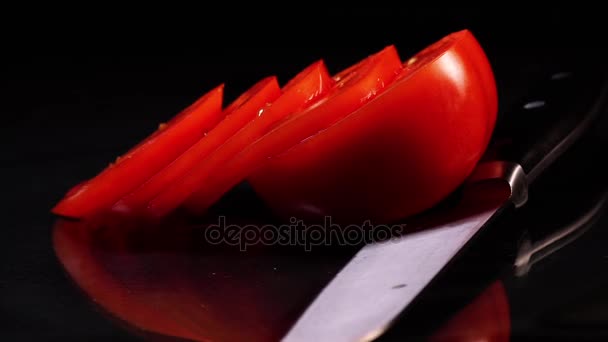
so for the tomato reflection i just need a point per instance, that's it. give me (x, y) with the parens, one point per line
(485, 319)
(165, 280)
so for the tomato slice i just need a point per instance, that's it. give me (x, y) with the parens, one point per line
(244, 109)
(145, 159)
(355, 87)
(309, 85)
(399, 154)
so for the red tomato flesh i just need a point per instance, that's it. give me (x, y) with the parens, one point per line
(356, 86)
(144, 160)
(238, 114)
(309, 85)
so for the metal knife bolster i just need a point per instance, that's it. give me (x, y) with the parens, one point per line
(536, 131)
(510, 172)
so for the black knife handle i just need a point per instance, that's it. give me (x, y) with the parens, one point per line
(553, 116)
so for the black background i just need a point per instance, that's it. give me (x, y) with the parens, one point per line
(77, 92)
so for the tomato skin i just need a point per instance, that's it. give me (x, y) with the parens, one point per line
(398, 155)
(355, 86)
(241, 111)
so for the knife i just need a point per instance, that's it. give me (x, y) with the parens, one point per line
(383, 278)
(519, 294)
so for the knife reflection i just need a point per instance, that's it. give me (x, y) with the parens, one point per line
(487, 317)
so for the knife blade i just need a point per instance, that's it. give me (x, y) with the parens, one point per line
(383, 278)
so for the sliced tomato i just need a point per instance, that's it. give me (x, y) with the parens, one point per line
(144, 160)
(244, 109)
(309, 85)
(356, 86)
(399, 154)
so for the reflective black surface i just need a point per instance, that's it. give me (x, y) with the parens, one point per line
(167, 280)
(71, 105)
(562, 274)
